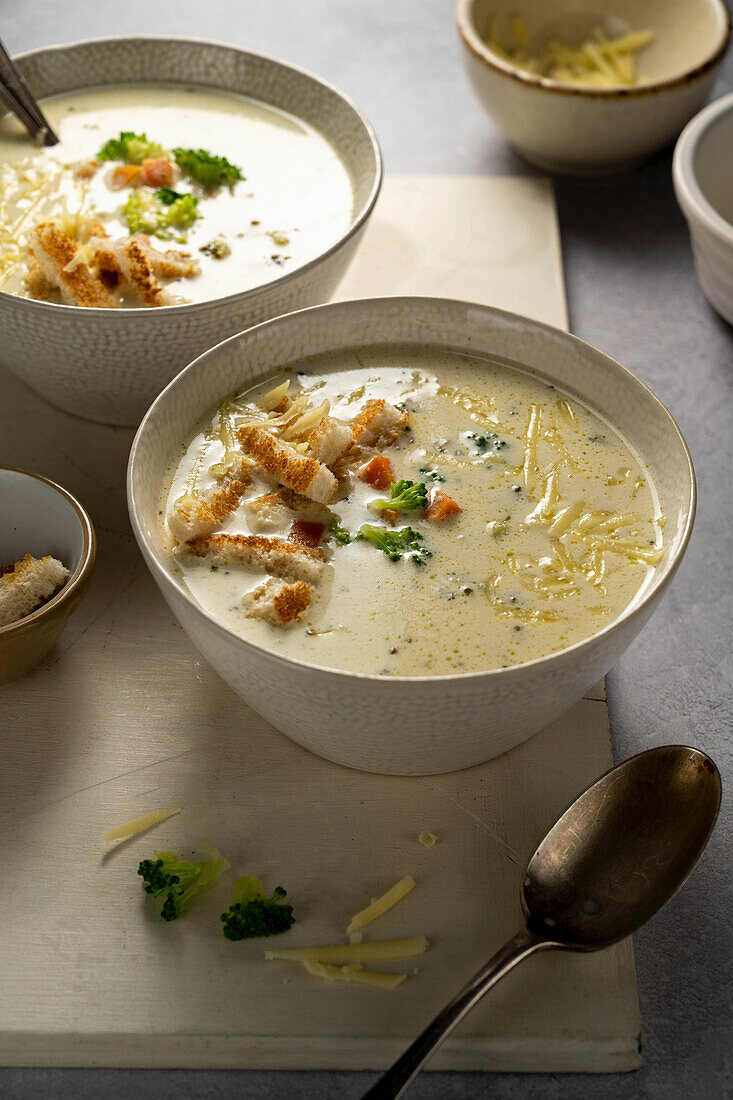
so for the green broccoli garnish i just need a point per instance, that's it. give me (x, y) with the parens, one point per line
(251, 914)
(432, 473)
(338, 533)
(490, 441)
(130, 148)
(178, 880)
(404, 496)
(208, 170)
(146, 212)
(167, 195)
(404, 543)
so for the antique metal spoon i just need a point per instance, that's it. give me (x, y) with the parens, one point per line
(613, 859)
(17, 96)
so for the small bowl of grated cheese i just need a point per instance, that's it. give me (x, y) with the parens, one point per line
(586, 92)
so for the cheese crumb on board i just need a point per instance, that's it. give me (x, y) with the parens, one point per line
(381, 905)
(355, 952)
(428, 840)
(354, 974)
(140, 824)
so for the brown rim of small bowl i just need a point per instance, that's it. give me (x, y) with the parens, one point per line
(473, 41)
(83, 569)
(357, 223)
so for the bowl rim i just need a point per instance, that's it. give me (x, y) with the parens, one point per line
(83, 569)
(356, 223)
(690, 195)
(473, 41)
(163, 578)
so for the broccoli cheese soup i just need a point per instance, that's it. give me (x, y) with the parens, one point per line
(158, 195)
(411, 511)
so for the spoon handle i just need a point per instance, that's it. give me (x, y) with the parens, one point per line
(398, 1077)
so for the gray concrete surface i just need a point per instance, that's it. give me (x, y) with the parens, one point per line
(633, 292)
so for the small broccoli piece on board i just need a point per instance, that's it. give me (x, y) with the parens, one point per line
(404, 496)
(177, 880)
(252, 915)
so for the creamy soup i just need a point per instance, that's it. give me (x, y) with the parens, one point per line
(552, 529)
(294, 198)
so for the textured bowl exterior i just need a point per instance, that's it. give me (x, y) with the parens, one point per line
(108, 365)
(710, 235)
(435, 724)
(575, 131)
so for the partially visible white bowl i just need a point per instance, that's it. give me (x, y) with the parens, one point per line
(109, 364)
(592, 130)
(702, 171)
(418, 725)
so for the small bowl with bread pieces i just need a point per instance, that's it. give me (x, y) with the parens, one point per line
(587, 90)
(47, 551)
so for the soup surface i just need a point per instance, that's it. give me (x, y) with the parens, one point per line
(529, 522)
(294, 199)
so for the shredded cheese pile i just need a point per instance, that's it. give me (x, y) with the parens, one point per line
(599, 61)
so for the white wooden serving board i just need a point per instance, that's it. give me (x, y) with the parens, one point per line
(124, 717)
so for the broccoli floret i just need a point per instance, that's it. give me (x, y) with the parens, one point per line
(177, 880)
(167, 195)
(404, 496)
(251, 914)
(217, 249)
(338, 533)
(490, 441)
(141, 212)
(147, 212)
(130, 148)
(208, 170)
(404, 543)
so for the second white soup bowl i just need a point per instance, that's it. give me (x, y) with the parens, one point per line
(421, 725)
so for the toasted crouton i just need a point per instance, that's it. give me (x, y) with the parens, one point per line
(303, 474)
(273, 555)
(202, 514)
(57, 258)
(26, 583)
(377, 425)
(171, 264)
(128, 261)
(328, 440)
(267, 513)
(278, 603)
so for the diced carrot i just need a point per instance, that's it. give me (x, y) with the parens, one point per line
(157, 172)
(441, 507)
(124, 175)
(378, 472)
(306, 534)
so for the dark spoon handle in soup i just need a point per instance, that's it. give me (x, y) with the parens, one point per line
(398, 1077)
(17, 96)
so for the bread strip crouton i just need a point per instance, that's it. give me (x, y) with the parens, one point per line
(278, 602)
(128, 261)
(274, 555)
(55, 254)
(303, 474)
(377, 425)
(328, 440)
(202, 514)
(26, 583)
(274, 510)
(171, 264)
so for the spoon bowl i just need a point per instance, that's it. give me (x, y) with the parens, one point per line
(613, 859)
(623, 848)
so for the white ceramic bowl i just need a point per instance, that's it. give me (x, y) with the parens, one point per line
(703, 173)
(108, 365)
(436, 723)
(586, 131)
(39, 518)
